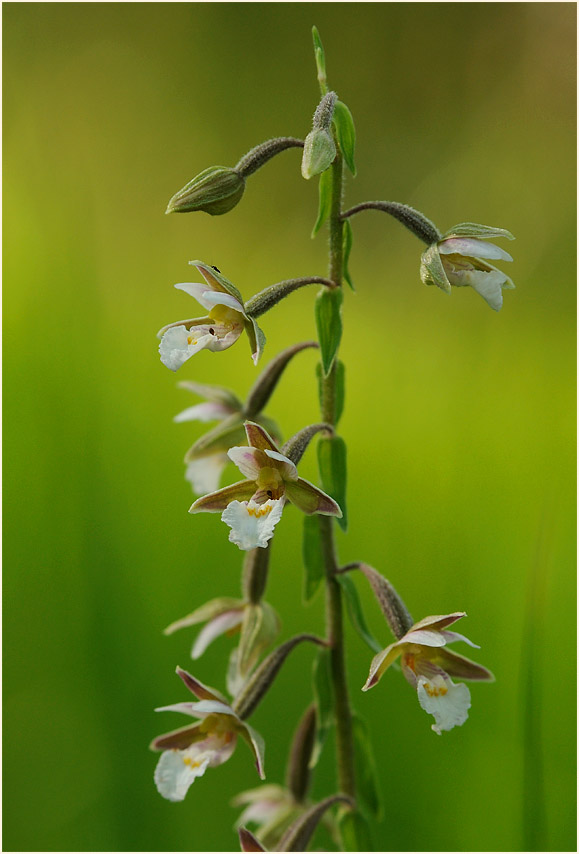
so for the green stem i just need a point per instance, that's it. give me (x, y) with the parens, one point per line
(334, 609)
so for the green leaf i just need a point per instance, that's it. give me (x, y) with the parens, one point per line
(329, 324)
(347, 239)
(355, 612)
(344, 124)
(312, 555)
(323, 698)
(320, 60)
(332, 465)
(339, 391)
(367, 786)
(325, 200)
(354, 831)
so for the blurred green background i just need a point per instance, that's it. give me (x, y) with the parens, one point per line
(460, 421)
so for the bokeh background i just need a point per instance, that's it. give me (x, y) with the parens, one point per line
(459, 422)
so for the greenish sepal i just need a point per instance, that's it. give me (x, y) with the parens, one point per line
(215, 190)
(217, 280)
(260, 627)
(329, 324)
(325, 200)
(344, 124)
(299, 834)
(319, 153)
(354, 831)
(432, 271)
(474, 229)
(312, 557)
(320, 60)
(332, 465)
(347, 239)
(256, 339)
(267, 381)
(356, 613)
(368, 797)
(222, 437)
(323, 698)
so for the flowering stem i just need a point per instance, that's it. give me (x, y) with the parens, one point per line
(334, 610)
(415, 221)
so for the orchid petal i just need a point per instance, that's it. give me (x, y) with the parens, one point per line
(249, 461)
(198, 291)
(381, 662)
(178, 739)
(216, 280)
(204, 473)
(177, 346)
(471, 247)
(252, 525)
(284, 465)
(438, 622)
(257, 745)
(447, 702)
(218, 626)
(489, 286)
(176, 771)
(205, 612)
(259, 438)
(213, 298)
(211, 410)
(425, 637)
(218, 501)
(462, 667)
(452, 637)
(203, 692)
(248, 841)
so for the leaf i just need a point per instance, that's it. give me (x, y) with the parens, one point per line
(347, 239)
(356, 614)
(329, 324)
(323, 698)
(320, 60)
(367, 786)
(332, 465)
(354, 831)
(325, 200)
(340, 386)
(344, 124)
(312, 556)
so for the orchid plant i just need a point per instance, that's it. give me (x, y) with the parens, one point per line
(283, 817)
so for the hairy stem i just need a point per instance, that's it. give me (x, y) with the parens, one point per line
(334, 609)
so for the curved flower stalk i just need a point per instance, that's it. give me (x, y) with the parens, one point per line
(217, 331)
(189, 751)
(253, 507)
(459, 258)
(428, 666)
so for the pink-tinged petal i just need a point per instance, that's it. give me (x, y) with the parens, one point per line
(447, 702)
(461, 667)
(259, 438)
(439, 622)
(257, 745)
(252, 525)
(205, 473)
(178, 739)
(211, 410)
(309, 499)
(217, 501)
(205, 612)
(214, 628)
(198, 291)
(452, 637)
(249, 461)
(248, 841)
(203, 692)
(381, 662)
(425, 637)
(283, 465)
(213, 298)
(182, 708)
(176, 771)
(470, 247)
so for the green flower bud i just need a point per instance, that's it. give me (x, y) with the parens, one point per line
(319, 152)
(215, 190)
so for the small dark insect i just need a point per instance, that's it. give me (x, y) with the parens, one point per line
(217, 270)
(212, 331)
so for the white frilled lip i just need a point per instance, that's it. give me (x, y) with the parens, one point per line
(179, 343)
(252, 525)
(471, 247)
(447, 702)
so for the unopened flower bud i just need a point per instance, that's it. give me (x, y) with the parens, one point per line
(215, 190)
(319, 152)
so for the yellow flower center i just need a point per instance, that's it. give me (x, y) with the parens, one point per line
(435, 690)
(262, 510)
